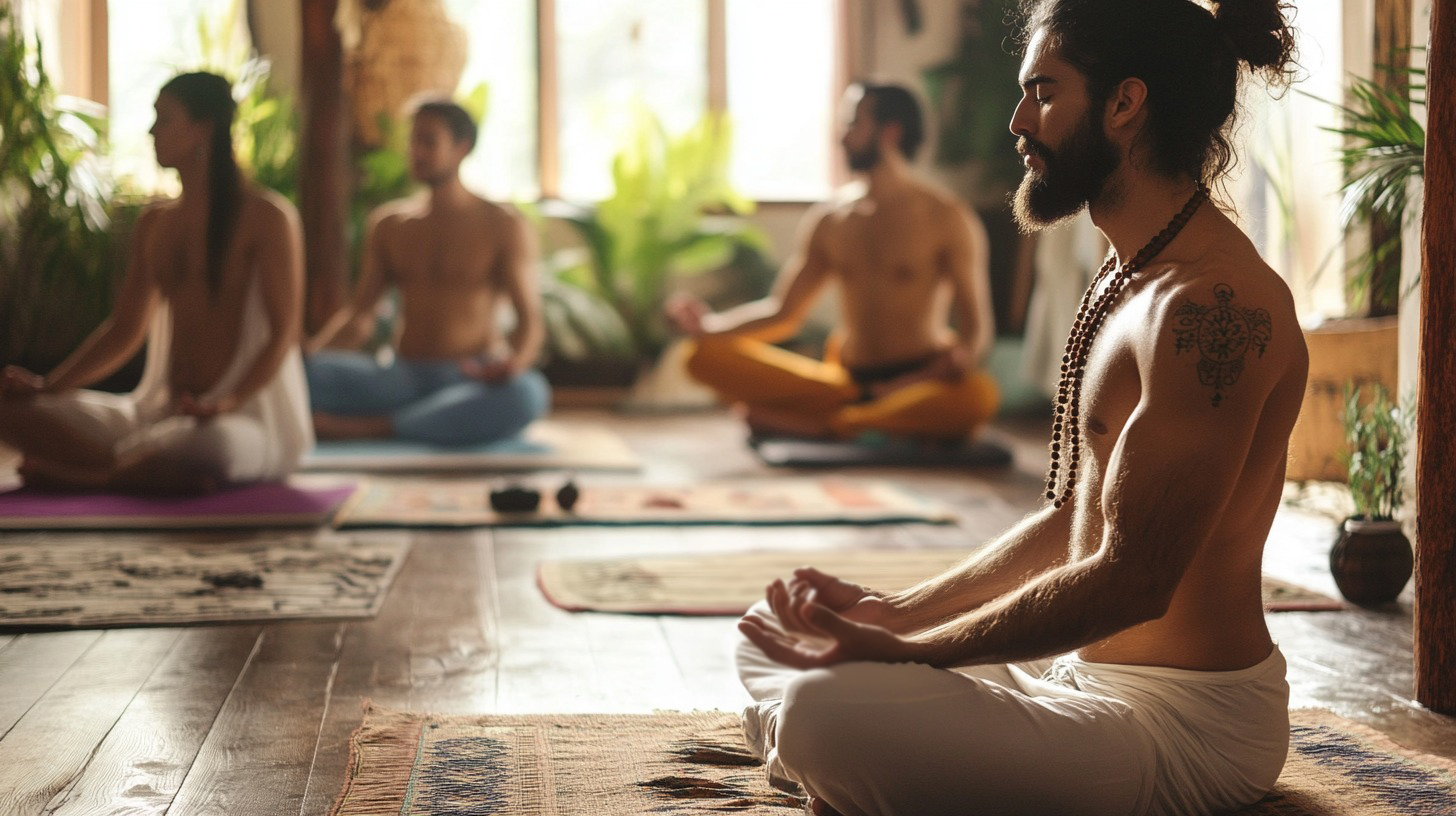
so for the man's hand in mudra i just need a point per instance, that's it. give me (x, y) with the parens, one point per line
(825, 621)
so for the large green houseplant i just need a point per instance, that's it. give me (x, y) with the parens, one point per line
(1372, 560)
(1384, 151)
(57, 254)
(671, 212)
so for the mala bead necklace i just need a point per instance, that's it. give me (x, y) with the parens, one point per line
(1067, 424)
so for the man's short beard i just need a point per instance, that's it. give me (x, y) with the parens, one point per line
(1075, 175)
(865, 160)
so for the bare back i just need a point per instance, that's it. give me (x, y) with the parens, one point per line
(206, 326)
(1191, 390)
(901, 265)
(451, 269)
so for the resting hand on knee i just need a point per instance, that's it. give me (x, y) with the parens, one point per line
(851, 601)
(827, 638)
(20, 382)
(491, 371)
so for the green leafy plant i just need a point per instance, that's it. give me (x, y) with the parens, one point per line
(265, 123)
(1384, 152)
(57, 254)
(971, 92)
(1376, 433)
(671, 212)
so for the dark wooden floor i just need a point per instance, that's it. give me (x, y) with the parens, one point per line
(255, 719)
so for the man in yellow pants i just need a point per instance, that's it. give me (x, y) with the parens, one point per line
(906, 255)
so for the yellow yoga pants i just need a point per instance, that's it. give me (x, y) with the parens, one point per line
(761, 375)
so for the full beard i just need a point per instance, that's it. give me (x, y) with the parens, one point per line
(1076, 175)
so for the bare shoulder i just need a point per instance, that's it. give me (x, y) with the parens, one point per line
(499, 215)
(1228, 318)
(393, 213)
(269, 209)
(824, 220)
(948, 213)
(154, 214)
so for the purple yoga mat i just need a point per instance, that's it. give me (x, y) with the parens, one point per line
(259, 505)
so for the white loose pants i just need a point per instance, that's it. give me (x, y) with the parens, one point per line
(1048, 738)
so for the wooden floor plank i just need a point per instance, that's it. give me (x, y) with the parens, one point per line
(257, 757)
(545, 653)
(29, 666)
(140, 765)
(431, 649)
(50, 746)
(466, 630)
(702, 650)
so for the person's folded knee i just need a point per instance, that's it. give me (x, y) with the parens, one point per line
(705, 355)
(816, 713)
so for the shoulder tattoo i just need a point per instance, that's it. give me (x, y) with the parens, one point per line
(1223, 334)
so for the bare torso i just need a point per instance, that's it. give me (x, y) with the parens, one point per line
(205, 326)
(1215, 619)
(894, 265)
(449, 267)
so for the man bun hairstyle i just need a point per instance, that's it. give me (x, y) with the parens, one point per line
(209, 98)
(1260, 34)
(457, 120)
(1188, 57)
(895, 103)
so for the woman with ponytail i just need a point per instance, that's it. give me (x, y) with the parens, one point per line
(1108, 655)
(214, 286)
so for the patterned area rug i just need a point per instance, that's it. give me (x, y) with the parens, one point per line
(604, 765)
(614, 765)
(1340, 768)
(728, 583)
(90, 582)
(466, 503)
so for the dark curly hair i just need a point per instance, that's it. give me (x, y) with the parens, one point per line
(1188, 57)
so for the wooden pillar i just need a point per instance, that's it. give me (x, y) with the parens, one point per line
(1435, 608)
(323, 153)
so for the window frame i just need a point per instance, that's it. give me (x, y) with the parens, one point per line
(548, 121)
(88, 36)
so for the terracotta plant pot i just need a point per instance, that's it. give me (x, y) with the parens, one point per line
(1371, 561)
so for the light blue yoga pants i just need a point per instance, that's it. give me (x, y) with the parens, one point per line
(430, 401)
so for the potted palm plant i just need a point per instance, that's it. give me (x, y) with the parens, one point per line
(1372, 560)
(1382, 155)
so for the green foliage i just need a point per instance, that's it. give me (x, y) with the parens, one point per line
(57, 257)
(1384, 151)
(1376, 433)
(974, 91)
(265, 124)
(659, 222)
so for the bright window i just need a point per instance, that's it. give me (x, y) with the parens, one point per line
(781, 65)
(612, 55)
(503, 56)
(551, 129)
(149, 42)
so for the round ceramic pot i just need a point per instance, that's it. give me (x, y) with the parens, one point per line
(1371, 561)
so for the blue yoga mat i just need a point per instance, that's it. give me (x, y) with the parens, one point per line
(544, 446)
